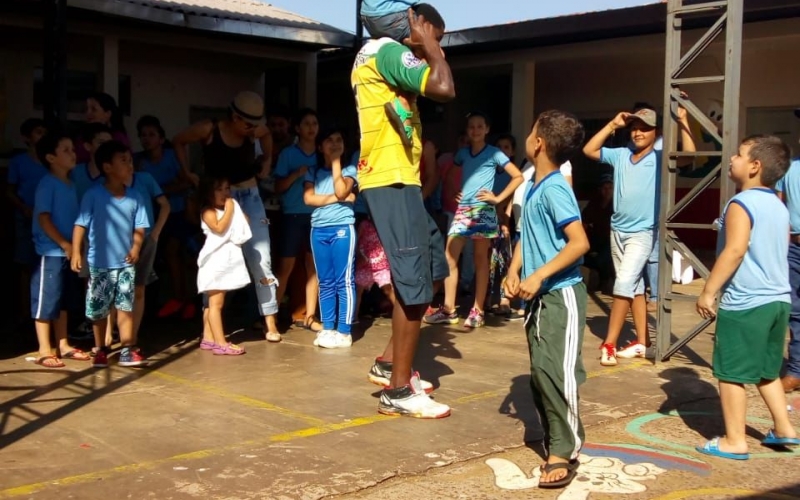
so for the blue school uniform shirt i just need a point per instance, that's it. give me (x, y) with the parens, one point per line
(336, 214)
(549, 206)
(763, 275)
(148, 188)
(636, 195)
(24, 172)
(479, 171)
(378, 8)
(83, 179)
(110, 222)
(165, 172)
(291, 159)
(60, 200)
(789, 185)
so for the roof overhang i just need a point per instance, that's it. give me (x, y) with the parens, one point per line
(308, 32)
(586, 27)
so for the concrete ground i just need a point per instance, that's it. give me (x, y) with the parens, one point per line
(291, 421)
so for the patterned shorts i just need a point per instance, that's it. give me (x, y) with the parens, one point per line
(372, 266)
(475, 222)
(109, 287)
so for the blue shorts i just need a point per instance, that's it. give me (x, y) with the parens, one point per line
(630, 252)
(296, 237)
(53, 288)
(24, 251)
(109, 287)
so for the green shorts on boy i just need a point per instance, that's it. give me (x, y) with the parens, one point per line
(752, 273)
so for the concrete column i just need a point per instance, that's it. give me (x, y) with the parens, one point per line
(307, 82)
(110, 66)
(523, 80)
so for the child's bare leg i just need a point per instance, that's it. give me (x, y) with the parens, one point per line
(773, 395)
(734, 410)
(112, 320)
(388, 353)
(43, 336)
(312, 290)
(216, 300)
(398, 111)
(639, 311)
(208, 336)
(619, 311)
(481, 247)
(125, 325)
(99, 329)
(60, 331)
(455, 245)
(138, 309)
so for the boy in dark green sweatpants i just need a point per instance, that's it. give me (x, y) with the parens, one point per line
(549, 255)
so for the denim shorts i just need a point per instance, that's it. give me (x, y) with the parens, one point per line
(53, 288)
(630, 252)
(394, 26)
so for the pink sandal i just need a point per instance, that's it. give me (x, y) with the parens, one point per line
(228, 350)
(207, 345)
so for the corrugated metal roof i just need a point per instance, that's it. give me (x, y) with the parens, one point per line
(241, 17)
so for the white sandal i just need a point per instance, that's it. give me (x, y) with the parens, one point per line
(274, 337)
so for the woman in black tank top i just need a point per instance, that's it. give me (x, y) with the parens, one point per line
(229, 153)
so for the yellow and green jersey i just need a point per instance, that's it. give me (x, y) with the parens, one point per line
(383, 70)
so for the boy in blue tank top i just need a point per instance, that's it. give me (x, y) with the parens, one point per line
(329, 187)
(115, 219)
(752, 274)
(549, 256)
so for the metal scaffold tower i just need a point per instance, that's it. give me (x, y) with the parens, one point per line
(729, 15)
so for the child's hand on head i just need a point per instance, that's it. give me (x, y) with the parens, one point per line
(621, 120)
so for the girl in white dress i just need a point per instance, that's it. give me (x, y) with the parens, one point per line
(221, 265)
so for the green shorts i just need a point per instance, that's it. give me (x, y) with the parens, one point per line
(749, 344)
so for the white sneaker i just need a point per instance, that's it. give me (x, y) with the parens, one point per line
(381, 374)
(632, 350)
(411, 401)
(608, 355)
(336, 340)
(323, 334)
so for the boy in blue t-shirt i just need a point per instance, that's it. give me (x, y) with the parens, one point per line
(789, 190)
(150, 191)
(54, 212)
(24, 172)
(637, 170)
(115, 218)
(752, 274)
(86, 175)
(549, 255)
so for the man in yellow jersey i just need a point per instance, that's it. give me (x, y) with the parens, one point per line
(388, 177)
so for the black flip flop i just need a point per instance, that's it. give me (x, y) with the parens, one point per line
(572, 472)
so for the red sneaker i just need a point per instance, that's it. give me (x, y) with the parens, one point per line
(171, 307)
(100, 359)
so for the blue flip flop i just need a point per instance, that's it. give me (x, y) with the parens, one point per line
(773, 440)
(712, 448)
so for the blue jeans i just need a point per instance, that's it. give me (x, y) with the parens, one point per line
(257, 250)
(651, 271)
(334, 250)
(630, 252)
(793, 365)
